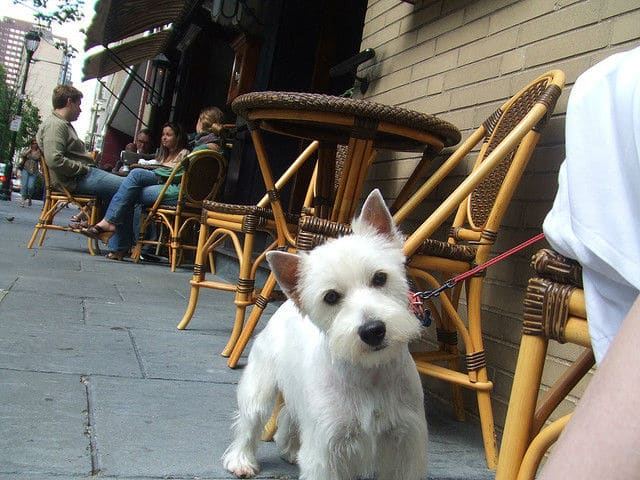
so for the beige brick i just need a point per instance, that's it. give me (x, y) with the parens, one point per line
(468, 33)
(487, 47)
(413, 55)
(557, 22)
(434, 104)
(536, 212)
(401, 11)
(375, 9)
(389, 82)
(567, 45)
(511, 61)
(453, 5)
(626, 28)
(373, 26)
(472, 74)
(616, 7)
(435, 65)
(404, 94)
(475, 10)
(506, 327)
(462, 119)
(520, 13)
(480, 93)
(420, 17)
(435, 85)
(383, 36)
(441, 25)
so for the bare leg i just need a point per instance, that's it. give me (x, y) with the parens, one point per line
(602, 437)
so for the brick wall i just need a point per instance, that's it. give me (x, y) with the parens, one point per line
(460, 59)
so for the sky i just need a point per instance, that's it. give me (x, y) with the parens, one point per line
(24, 11)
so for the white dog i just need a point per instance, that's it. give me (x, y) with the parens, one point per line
(337, 350)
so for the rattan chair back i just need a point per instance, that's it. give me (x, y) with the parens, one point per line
(203, 173)
(477, 205)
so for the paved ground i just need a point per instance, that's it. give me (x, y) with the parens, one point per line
(95, 380)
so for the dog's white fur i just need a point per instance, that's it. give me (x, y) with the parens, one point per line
(353, 408)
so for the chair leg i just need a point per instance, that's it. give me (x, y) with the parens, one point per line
(486, 423)
(272, 425)
(539, 446)
(235, 331)
(522, 405)
(34, 235)
(252, 321)
(198, 276)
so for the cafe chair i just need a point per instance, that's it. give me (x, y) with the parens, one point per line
(506, 141)
(203, 173)
(240, 224)
(55, 200)
(554, 309)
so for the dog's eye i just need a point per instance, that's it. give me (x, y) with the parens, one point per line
(379, 279)
(331, 297)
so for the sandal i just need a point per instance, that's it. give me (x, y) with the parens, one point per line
(78, 225)
(79, 217)
(116, 255)
(97, 233)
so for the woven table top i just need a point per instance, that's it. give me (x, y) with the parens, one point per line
(360, 109)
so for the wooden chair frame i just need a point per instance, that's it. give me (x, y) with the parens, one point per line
(240, 223)
(554, 309)
(203, 175)
(55, 200)
(479, 202)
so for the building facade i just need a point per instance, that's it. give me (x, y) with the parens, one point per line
(460, 60)
(49, 67)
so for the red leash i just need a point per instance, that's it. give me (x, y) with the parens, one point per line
(416, 299)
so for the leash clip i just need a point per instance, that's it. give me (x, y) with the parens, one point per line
(416, 301)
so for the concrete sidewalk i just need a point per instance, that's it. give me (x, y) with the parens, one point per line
(95, 380)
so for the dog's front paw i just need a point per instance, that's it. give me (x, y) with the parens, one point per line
(240, 464)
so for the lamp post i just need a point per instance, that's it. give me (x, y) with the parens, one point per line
(31, 42)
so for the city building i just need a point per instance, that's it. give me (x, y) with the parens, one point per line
(50, 66)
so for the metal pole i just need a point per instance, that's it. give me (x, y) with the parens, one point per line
(5, 189)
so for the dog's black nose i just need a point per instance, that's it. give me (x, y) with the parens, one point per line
(372, 333)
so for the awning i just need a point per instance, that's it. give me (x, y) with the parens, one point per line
(117, 58)
(116, 20)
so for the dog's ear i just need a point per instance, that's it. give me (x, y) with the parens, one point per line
(376, 214)
(285, 267)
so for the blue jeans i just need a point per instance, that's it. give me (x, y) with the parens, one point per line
(28, 182)
(100, 183)
(139, 187)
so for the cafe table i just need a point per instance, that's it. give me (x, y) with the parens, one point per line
(363, 126)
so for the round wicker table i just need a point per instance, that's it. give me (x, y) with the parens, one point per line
(363, 126)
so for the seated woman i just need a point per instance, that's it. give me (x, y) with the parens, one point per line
(142, 185)
(208, 130)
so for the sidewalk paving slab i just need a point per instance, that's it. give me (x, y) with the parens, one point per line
(97, 382)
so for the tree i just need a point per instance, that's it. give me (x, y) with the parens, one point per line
(8, 106)
(63, 11)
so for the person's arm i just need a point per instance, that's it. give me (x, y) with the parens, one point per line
(54, 149)
(601, 440)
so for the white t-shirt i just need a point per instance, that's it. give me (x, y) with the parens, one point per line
(595, 217)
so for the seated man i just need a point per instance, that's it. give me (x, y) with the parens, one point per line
(70, 165)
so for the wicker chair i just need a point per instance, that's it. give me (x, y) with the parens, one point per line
(507, 140)
(203, 175)
(57, 199)
(554, 309)
(240, 223)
